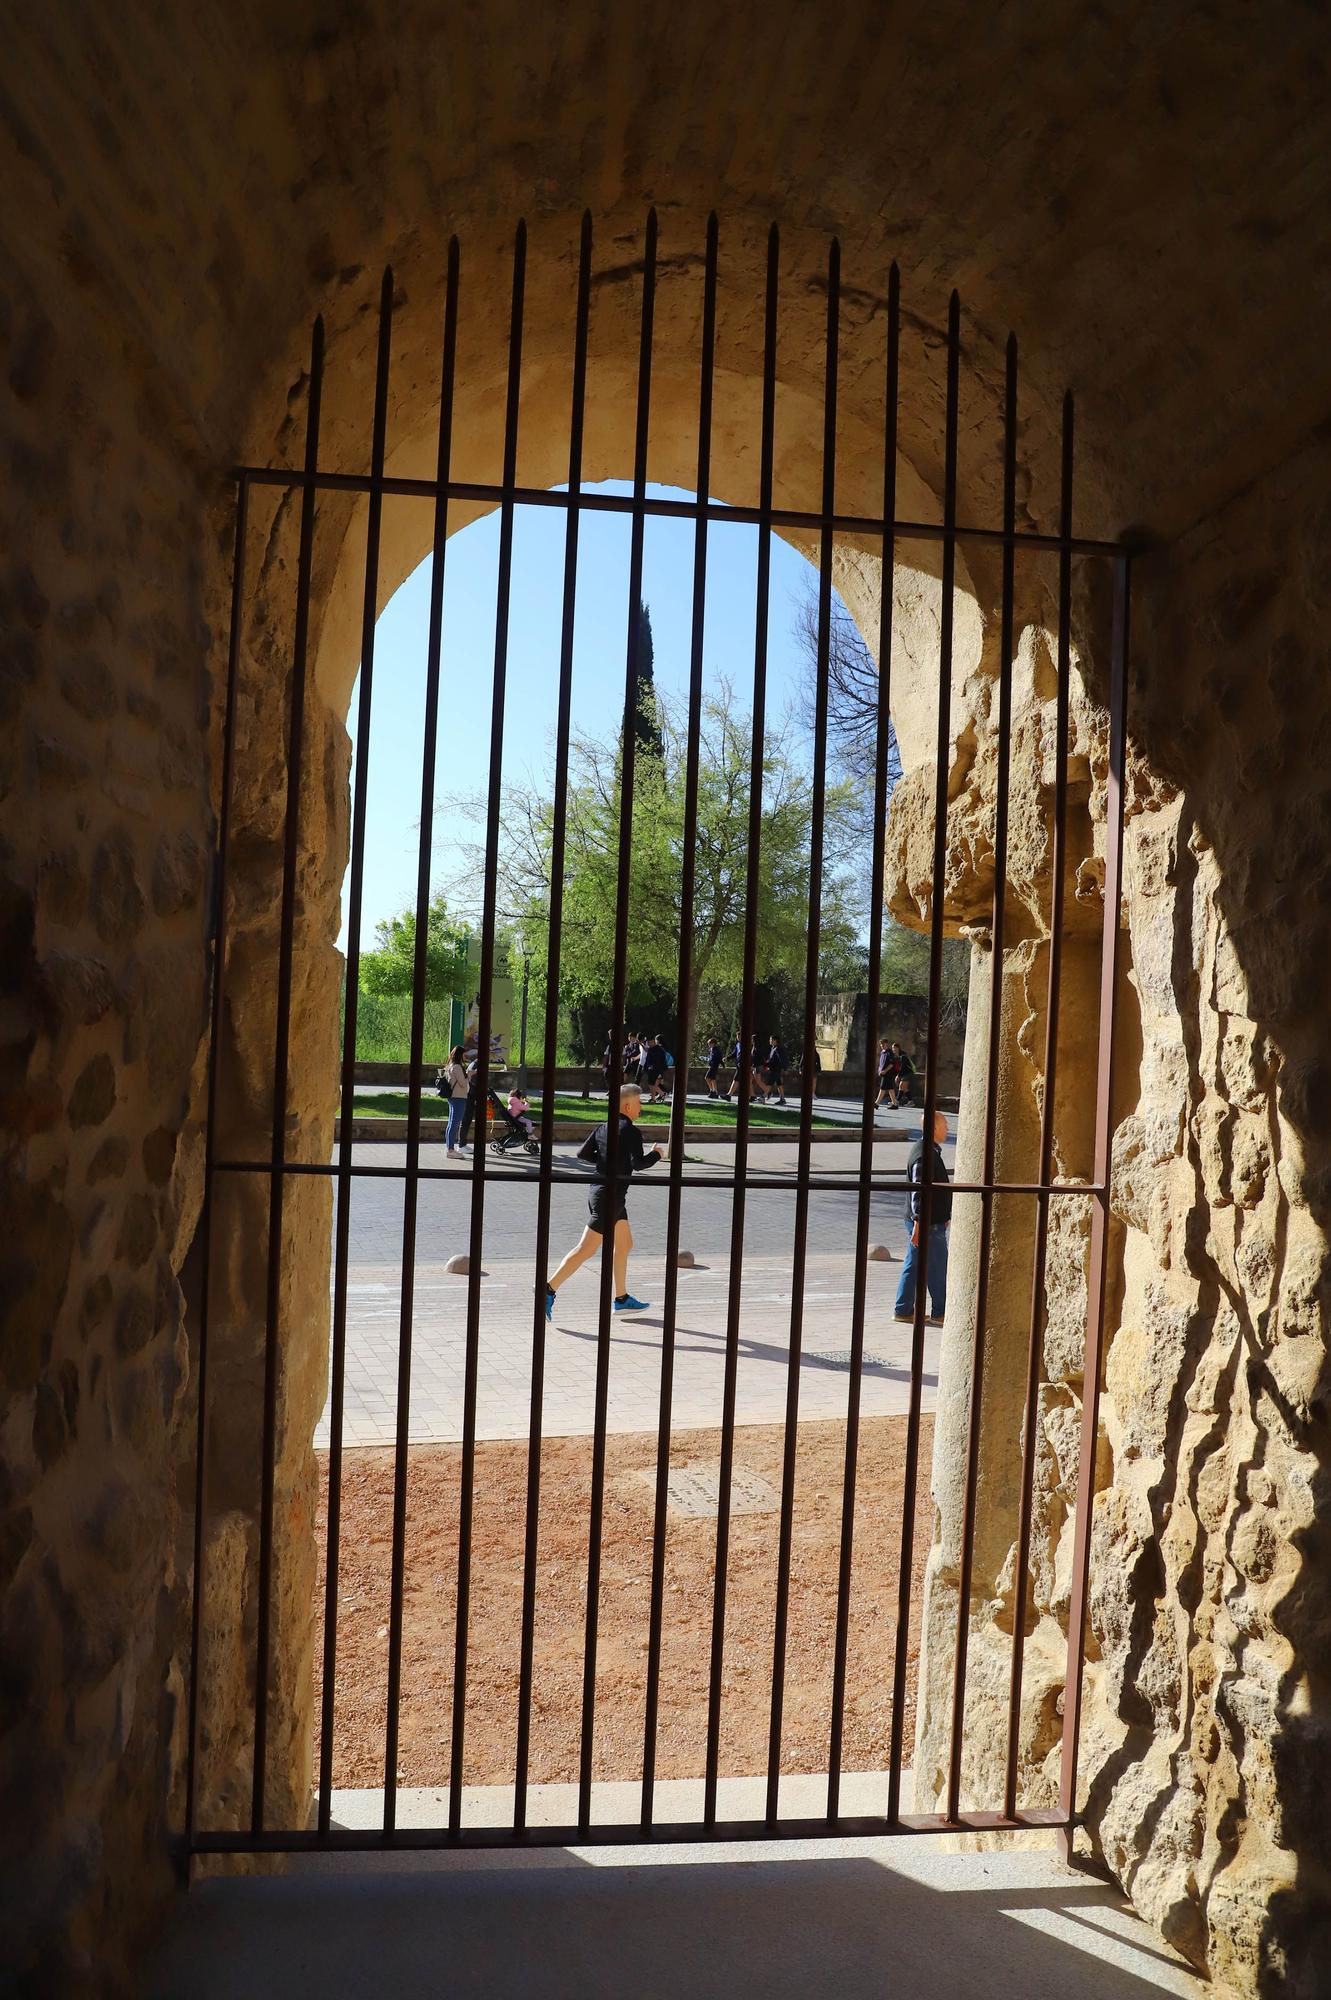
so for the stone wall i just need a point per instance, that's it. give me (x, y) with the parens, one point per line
(1207, 1728)
(181, 193)
(109, 580)
(1206, 1716)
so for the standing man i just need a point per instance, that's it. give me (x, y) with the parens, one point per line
(607, 1210)
(926, 1164)
(886, 1075)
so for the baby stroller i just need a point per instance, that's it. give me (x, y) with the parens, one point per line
(517, 1136)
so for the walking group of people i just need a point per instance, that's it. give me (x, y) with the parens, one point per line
(765, 1069)
(647, 1062)
(896, 1074)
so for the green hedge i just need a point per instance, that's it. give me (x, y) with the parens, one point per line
(383, 1028)
(383, 1031)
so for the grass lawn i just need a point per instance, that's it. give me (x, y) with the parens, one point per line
(568, 1105)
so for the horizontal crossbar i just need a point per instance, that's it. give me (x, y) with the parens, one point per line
(794, 518)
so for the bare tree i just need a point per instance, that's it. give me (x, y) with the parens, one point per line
(852, 692)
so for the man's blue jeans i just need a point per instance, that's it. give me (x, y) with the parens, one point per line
(936, 1274)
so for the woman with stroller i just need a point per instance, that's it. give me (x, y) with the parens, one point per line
(455, 1083)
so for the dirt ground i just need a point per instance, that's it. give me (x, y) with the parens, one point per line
(496, 1597)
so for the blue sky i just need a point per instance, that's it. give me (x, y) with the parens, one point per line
(466, 678)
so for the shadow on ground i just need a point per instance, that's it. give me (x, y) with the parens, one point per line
(939, 1926)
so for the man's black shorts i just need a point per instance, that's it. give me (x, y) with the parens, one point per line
(603, 1205)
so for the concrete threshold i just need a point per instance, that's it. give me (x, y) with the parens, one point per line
(904, 1917)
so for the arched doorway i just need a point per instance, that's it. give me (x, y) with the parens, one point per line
(833, 479)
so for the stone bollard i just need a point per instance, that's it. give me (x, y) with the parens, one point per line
(684, 1260)
(880, 1254)
(458, 1266)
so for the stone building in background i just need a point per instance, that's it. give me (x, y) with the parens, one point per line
(1146, 199)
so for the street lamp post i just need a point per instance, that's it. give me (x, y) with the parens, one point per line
(522, 1031)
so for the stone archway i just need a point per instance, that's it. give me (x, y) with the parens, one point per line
(1165, 271)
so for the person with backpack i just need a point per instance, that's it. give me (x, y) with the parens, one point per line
(774, 1067)
(653, 1068)
(816, 1062)
(925, 1164)
(607, 1210)
(887, 1073)
(453, 1082)
(472, 1104)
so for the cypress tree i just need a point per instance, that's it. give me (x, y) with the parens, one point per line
(648, 740)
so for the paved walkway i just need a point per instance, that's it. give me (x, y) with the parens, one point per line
(506, 1299)
(897, 1918)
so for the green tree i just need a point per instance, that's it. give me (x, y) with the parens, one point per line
(391, 967)
(591, 870)
(906, 969)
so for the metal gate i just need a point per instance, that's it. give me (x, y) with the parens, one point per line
(304, 487)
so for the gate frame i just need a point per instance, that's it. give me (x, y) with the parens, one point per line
(888, 530)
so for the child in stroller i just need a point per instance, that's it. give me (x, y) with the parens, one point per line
(518, 1135)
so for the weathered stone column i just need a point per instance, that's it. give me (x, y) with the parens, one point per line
(239, 1283)
(1005, 1338)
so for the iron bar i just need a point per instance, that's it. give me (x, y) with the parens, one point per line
(752, 880)
(996, 939)
(817, 806)
(685, 1025)
(1053, 994)
(558, 827)
(484, 1013)
(368, 1840)
(878, 837)
(870, 526)
(942, 760)
(1098, 1262)
(351, 984)
(209, 1147)
(276, 1186)
(411, 1179)
(881, 1184)
(618, 1008)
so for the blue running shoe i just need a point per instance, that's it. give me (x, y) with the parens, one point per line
(628, 1304)
(549, 1303)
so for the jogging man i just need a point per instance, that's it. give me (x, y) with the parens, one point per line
(926, 1164)
(713, 1069)
(905, 1071)
(606, 1202)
